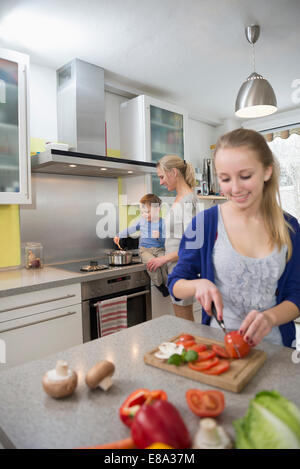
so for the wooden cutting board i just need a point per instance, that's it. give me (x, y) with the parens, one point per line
(241, 371)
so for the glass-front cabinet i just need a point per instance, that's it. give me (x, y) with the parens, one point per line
(15, 178)
(150, 129)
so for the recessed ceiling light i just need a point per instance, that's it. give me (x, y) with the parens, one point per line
(73, 165)
(103, 169)
(130, 172)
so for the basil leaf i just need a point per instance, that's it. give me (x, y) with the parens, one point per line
(190, 356)
(175, 359)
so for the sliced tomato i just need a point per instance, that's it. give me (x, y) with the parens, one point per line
(205, 355)
(198, 347)
(186, 344)
(185, 338)
(209, 403)
(221, 367)
(220, 351)
(204, 365)
(235, 345)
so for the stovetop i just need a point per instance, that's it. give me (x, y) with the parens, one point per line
(93, 265)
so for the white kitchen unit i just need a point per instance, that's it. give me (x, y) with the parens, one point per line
(15, 180)
(150, 129)
(39, 323)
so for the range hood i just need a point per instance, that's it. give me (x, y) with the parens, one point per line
(81, 125)
(83, 164)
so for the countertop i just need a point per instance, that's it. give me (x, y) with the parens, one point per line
(17, 281)
(31, 419)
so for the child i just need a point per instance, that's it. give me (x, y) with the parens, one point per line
(152, 238)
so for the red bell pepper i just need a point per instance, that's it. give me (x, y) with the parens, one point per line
(161, 422)
(135, 400)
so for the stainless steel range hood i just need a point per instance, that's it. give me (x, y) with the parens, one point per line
(82, 164)
(81, 124)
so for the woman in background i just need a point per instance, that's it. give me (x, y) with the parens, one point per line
(249, 262)
(179, 176)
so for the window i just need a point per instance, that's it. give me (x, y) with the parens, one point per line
(285, 144)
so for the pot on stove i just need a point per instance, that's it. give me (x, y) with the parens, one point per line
(118, 257)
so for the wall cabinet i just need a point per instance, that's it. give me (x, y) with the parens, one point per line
(150, 129)
(36, 324)
(15, 181)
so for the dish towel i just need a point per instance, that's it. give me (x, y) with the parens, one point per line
(111, 315)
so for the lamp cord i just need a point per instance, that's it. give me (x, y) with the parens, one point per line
(253, 57)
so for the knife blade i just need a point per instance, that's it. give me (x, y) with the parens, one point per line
(222, 325)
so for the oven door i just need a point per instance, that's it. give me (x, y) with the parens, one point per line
(138, 310)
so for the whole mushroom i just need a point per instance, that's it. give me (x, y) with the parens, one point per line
(61, 381)
(100, 375)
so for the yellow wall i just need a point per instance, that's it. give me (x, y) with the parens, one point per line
(10, 250)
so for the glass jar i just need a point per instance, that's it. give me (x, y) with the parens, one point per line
(34, 256)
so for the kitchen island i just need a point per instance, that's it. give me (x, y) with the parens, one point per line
(31, 419)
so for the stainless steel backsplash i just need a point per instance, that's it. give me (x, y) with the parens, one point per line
(63, 215)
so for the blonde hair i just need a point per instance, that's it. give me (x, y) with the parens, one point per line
(277, 226)
(168, 162)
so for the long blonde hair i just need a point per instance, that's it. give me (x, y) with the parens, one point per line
(276, 224)
(186, 169)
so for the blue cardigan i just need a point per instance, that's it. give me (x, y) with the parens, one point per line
(196, 260)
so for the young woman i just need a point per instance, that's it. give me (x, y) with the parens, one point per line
(177, 175)
(248, 264)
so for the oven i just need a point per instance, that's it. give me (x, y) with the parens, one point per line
(136, 286)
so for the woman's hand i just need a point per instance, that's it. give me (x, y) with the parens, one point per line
(155, 263)
(206, 292)
(255, 327)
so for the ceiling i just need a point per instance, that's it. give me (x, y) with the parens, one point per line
(190, 52)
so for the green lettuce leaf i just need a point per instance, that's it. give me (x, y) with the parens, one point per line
(271, 422)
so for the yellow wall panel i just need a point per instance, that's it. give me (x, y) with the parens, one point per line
(10, 249)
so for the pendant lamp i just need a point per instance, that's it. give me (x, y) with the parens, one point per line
(256, 97)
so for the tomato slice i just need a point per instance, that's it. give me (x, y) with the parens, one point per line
(185, 338)
(203, 365)
(186, 343)
(234, 342)
(220, 351)
(198, 347)
(221, 367)
(205, 355)
(209, 403)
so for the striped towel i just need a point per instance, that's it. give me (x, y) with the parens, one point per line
(111, 315)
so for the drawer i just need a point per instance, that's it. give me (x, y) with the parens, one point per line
(29, 304)
(32, 338)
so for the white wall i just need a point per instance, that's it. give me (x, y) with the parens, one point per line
(201, 136)
(43, 115)
(279, 119)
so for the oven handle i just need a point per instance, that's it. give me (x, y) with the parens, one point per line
(133, 295)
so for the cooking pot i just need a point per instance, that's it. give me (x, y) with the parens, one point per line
(118, 257)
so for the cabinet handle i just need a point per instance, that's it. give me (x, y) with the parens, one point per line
(37, 322)
(38, 303)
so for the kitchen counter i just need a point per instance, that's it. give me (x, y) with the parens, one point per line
(31, 419)
(17, 281)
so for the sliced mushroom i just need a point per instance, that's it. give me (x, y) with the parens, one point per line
(211, 436)
(100, 375)
(61, 381)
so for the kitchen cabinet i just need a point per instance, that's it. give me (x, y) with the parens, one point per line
(15, 180)
(150, 129)
(36, 324)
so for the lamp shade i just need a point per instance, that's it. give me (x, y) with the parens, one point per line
(256, 98)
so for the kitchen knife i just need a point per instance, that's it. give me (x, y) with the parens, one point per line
(222, 325)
